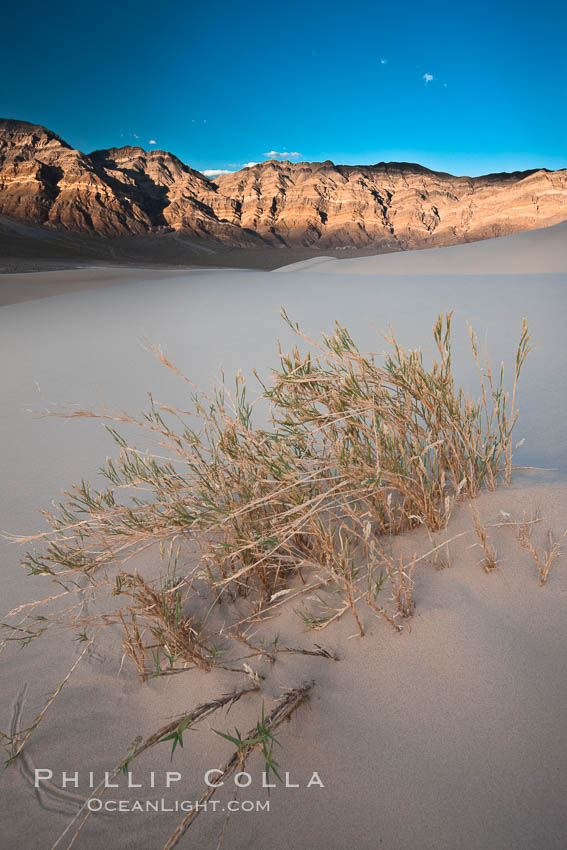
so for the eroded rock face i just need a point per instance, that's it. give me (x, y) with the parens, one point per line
(129, 191)
(42, 179)
(397, 205)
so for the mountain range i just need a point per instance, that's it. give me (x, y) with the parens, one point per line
(130, 192)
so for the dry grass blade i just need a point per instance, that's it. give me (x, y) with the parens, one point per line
(319, 651)
(18, 743)
(271, 650)
(489, 561)
(402, 583)
(524, 528)
(547, 556)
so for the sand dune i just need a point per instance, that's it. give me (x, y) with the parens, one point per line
(448, 736)
(543, 250)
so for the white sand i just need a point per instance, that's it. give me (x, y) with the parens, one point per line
(449, 736)
(523, 253)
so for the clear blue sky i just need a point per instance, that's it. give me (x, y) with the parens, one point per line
(467, 88)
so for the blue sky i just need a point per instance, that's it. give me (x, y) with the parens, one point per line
(466, 89)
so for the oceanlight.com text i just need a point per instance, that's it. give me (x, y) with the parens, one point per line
(95, 804)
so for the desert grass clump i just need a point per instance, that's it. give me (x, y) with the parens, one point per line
(356, 449)
(159, 613)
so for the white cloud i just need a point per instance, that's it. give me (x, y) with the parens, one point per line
(383, 61)
(152, 142)
(428, 78)
(271, 154)
(215, 172)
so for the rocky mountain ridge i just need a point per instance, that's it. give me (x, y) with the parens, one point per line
(392, 206)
